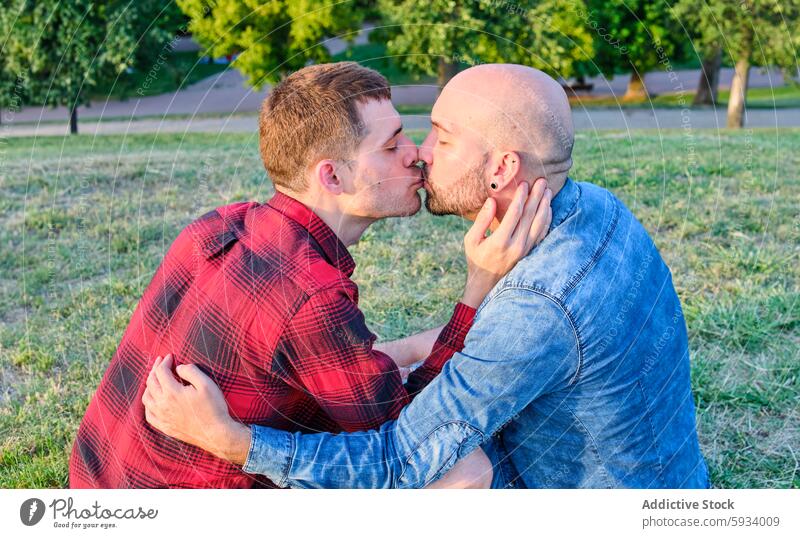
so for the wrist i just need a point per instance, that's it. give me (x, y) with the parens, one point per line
(476, 290)
(232, 442)
(471, 298)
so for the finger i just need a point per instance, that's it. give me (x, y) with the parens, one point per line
(531, 209)
(152, 380)
(547, 227)
(152, 383)
(147, 400)
(541, 223)
(165, 377)
(477, 231)
(511, 218)
(153, 420)
(195, 376)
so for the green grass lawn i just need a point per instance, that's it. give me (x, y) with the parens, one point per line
(84, 222)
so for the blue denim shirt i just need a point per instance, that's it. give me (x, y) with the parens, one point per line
(578, 359)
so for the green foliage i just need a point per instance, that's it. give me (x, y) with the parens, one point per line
(171, 72)
(272, 38)
(630, 34)
(12, 82)
(767, 32)
(375, 56)
(64, 50)
(428, 33)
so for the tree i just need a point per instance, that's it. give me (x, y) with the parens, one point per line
(271, 38)
(633, 36)
(11, 82)
(708, 85)
(64, 50)
(707, 45)
(12, 91)
(442, 36)
(753, 32)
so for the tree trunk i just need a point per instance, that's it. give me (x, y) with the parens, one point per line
(741, 77)
(738, 98)
(636, 89)
(708, 85)
(73, 119)
(447, 71)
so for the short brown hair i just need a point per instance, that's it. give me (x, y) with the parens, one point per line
(312, 115)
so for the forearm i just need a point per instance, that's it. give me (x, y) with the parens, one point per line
(367, 459)
(393, 456)
(411, 349)
(449, 341)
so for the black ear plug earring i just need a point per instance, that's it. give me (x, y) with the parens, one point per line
(493, 186)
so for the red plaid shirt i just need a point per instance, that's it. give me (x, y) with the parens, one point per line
(259, 297)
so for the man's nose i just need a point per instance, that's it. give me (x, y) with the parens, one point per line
(410, 153)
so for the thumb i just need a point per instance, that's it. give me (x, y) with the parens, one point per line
(482, 222)
(192, 374)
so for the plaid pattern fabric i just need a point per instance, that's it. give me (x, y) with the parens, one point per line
(260, 298)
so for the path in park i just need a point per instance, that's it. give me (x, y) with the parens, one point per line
(234, 106)
(227, 93)
(585, 119)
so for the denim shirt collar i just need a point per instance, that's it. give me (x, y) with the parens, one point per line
(564, 202)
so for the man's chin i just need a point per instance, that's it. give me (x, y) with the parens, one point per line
(409, 210)
(433, 206)
(434, 210)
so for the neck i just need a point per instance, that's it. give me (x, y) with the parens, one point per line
(348, 228)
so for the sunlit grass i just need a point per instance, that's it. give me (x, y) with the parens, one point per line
(84, 222)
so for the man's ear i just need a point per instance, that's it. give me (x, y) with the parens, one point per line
(324, 174)
(505, 166)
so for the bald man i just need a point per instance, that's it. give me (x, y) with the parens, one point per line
(577, 363)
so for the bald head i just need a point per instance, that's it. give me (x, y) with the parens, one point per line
(514, 108)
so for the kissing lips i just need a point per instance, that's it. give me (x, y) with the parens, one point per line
(423, 181)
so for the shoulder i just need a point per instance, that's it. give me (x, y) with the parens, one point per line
(523, 323)
(272, 249)
(524, 312)
(211, 233)
(281, 246)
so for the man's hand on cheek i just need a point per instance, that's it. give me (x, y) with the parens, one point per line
(195, 413)
(524, 226)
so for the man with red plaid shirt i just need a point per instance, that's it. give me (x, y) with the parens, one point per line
(259, 296)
